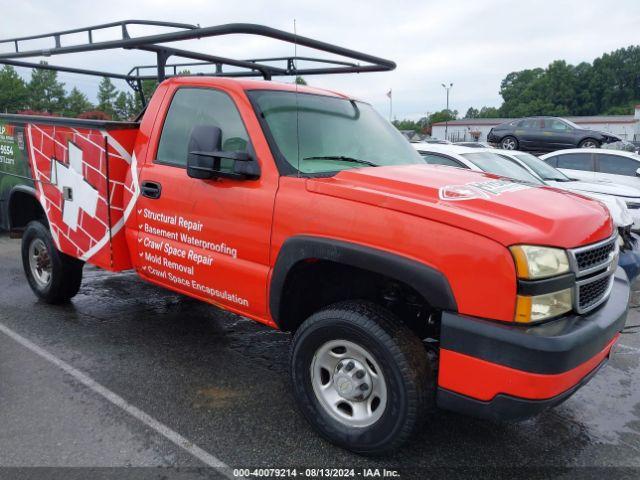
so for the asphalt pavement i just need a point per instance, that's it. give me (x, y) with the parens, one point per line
(130, 375)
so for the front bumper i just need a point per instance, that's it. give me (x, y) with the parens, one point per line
(507, 371)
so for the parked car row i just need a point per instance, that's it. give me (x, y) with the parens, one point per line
(546, 134)
(530, 169)
(619, 170)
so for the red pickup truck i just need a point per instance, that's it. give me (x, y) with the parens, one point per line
(405, 285)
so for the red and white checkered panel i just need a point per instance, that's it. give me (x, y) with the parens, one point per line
(85, 213)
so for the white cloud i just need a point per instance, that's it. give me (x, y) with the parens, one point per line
(470, 43)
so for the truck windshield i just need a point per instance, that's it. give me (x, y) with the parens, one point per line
(318, 133)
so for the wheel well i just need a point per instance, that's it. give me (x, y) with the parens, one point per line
(23, 208)
(313, 284)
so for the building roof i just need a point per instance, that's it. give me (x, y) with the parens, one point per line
(478, 122)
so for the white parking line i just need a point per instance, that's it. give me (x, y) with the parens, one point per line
(120, 402)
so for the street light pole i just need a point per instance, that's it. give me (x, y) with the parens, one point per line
(446, 121)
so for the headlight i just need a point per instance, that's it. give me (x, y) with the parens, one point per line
(541, 307)
(533, 262)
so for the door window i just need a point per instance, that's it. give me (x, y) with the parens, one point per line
(556, 125)
(617, 165)
(192, 107)
(531, 123)
(576, 161)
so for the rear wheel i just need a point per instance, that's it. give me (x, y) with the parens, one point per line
(53, 276)
(361, 377)
(509, 143)
(589, 143)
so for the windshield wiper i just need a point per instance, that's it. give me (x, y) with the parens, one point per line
(556, 179)
(342, 158)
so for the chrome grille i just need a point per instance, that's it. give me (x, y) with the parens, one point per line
(596, 256)
(590, 293)
(594, 266)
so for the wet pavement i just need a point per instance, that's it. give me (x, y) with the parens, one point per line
(220, 381)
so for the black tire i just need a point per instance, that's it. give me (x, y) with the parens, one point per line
(405, 365)
(589, 143)
(509, 143)
(65, 271)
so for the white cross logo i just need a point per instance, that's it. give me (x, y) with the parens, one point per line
(76, 191)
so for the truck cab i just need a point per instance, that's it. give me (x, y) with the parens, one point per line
(405, 285)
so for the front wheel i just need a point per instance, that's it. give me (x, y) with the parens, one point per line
(53, 276)
(509, 143)
(589, 143)
(361, 378)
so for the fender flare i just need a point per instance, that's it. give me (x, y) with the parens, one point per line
(18, 189)
(427, 281)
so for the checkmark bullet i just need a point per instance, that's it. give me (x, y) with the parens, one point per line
(139, 211)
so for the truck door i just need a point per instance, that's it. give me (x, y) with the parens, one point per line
(206, 238)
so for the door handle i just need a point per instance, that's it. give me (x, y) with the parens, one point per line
(151, 189)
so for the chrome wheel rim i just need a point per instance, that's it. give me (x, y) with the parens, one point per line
(348, 383)
(508, 144)
(589, 144)
(40, 262)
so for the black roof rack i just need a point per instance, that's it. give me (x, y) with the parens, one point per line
(260, 67)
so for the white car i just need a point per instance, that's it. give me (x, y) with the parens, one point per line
(616, 168)
(595, 189)
(512, 164)
(611, 166)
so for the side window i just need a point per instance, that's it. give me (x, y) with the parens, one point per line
(198, 106)
(433, 159)
(555, 124)
(553, 161)
(617, 164)
(531, 123)
(576, 161)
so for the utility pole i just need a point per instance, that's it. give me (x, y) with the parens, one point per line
(446, 122)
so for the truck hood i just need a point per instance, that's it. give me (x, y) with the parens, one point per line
(605, 188)
(505, 210)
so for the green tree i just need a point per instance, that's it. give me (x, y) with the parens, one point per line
(148, 88)
(13, 91)
(443, 116)
(611, 84)
(300, 81)
(107, 94)
(472, 113)
(77, 103)
(489, 112)
(124, 106)
(45, 92)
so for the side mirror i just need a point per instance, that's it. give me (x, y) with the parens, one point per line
(205, 159)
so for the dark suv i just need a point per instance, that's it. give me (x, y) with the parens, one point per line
(546, 134)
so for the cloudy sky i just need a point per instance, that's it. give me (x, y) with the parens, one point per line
(473, 44)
